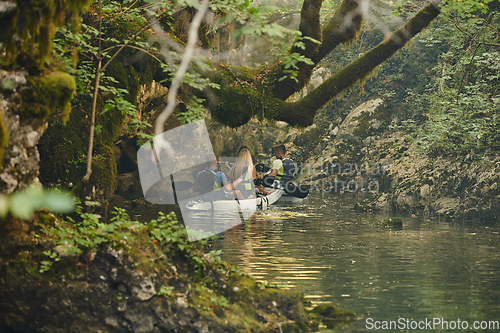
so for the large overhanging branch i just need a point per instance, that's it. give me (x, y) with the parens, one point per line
(309, 26)
(303, 111)
(341, 28)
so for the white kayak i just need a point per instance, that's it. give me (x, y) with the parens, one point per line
(261, 202)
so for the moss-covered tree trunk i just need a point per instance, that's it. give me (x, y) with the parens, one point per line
(31, 91)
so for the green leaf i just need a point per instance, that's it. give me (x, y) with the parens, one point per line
(311, 39)
(24, 203)
(58, 202)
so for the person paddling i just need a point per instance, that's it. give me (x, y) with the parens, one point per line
(213, 181)
(283, 169)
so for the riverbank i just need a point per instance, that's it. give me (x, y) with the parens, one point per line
(445, 187)
(403, 180)
(86, 276)
(366, 156)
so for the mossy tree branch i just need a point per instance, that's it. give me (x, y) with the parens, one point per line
(341, 28)
(245, 93)
(309, 27)
(303, 111)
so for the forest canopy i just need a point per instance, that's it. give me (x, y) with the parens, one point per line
(150, 35)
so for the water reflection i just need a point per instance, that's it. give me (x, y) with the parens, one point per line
(429, 269)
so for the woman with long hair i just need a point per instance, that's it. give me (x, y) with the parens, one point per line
(243, 168)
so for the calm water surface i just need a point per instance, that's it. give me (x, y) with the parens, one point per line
(430, 269)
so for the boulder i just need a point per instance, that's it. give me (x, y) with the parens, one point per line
(364, 121)
(335, 131)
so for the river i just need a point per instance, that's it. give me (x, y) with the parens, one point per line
(429, 269)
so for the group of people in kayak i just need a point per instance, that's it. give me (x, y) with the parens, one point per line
(239, 182)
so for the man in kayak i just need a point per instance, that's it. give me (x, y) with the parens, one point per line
(283, 169)
(214, 182)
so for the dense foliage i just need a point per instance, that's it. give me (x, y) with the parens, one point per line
(463, 97)
(442, 89)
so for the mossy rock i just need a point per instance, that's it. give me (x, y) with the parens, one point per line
(366, 120)
(128, 78)
(372, 123)
(332, 316)
(63, 155)
(309, 137)
(348, 151)
(45, 94)
(393, 222)
(33, 23)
